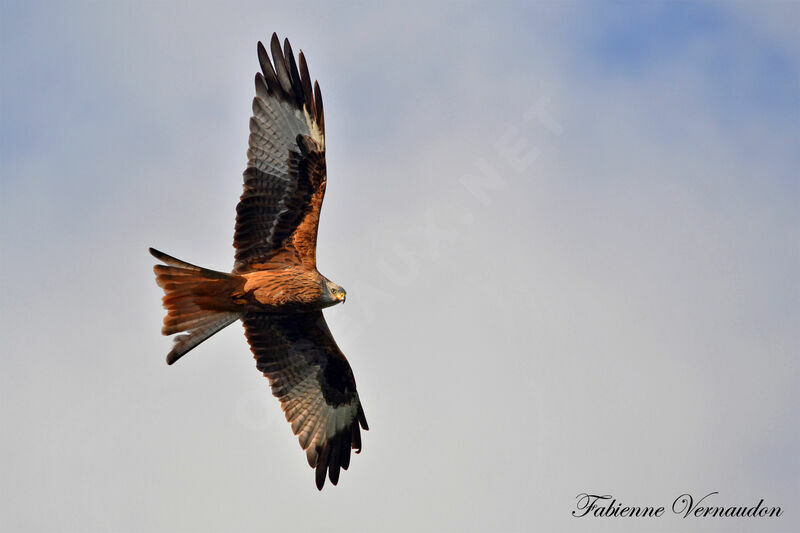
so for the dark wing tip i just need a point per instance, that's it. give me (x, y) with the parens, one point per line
(263, 58)
(318, 105)
(288, 79)
(281, 69)
(334, 458)
(261, 86)
(294, 74)
(274, 41)
(308, 92)
(322, 467)
(173, 356)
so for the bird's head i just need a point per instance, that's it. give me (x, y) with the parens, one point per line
(334, 293)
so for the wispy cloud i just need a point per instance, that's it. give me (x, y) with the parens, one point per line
(569, 236)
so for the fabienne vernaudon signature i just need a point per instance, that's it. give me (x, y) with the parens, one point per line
(684, 506)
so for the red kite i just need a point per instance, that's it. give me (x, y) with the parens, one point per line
(275, 288)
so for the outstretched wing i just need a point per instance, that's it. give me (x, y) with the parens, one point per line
(284, 183)
(314, 382)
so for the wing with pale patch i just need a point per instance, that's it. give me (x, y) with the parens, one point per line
(284, 183)
(315, 385)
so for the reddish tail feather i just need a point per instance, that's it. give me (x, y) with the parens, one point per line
(198, 301)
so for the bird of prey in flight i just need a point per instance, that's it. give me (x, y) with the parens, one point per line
(275, 288)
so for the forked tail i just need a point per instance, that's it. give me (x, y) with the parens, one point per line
(198, 301)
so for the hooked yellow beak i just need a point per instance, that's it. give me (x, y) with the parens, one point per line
(341, 296)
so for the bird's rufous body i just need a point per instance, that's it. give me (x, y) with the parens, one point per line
(275, 288)
(288, 288)
(278, 289)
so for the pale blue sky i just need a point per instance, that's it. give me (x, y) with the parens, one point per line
(570, 235)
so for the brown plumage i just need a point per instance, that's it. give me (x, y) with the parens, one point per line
(275, 288)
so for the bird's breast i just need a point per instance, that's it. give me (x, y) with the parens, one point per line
(283, 290)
